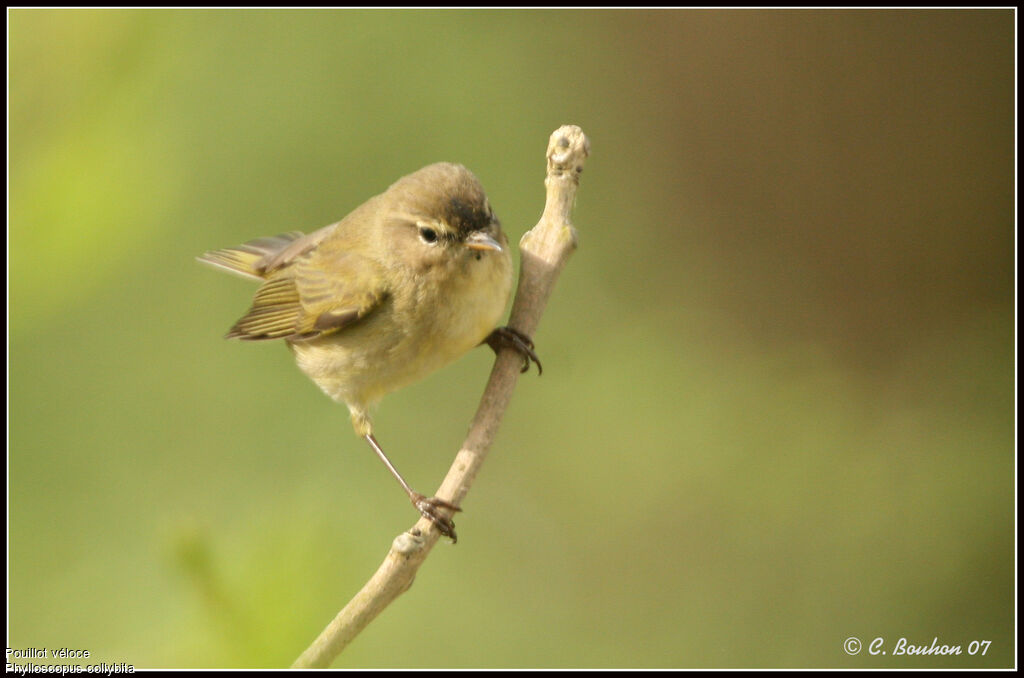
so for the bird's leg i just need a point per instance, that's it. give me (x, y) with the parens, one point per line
(514, 339)
(429, 507)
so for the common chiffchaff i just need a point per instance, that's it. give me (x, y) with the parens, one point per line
(408, 282)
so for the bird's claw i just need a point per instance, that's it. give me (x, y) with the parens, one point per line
(513, 338)
(429, 508)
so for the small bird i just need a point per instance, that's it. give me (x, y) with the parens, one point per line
(409, 281)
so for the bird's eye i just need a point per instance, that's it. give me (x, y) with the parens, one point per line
(428, 235)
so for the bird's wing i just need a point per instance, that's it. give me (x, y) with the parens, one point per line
(302, 302)
(283, 256)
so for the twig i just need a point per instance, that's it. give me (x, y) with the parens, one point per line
(545, 249)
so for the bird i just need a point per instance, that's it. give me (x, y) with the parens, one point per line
(408, 282)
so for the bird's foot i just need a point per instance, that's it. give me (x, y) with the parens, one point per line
(429, 507)
(513, 338)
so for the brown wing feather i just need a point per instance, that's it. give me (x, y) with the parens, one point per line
(274, 313)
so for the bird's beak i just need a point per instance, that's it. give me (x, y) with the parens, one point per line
(478, 240)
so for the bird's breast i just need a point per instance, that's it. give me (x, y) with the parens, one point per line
(411, 335)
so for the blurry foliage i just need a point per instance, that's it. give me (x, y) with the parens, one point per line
(777, 409)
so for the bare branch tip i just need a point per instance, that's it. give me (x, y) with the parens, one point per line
(568, 148)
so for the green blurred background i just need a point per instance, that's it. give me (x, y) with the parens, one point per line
(777, 405)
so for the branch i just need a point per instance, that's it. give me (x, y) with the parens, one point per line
(545, 249)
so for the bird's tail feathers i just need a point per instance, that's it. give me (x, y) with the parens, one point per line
(249, 260)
